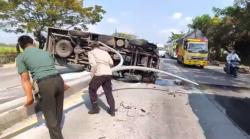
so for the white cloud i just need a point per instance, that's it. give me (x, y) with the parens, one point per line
(112, 20)
(188, 19)
(164, 34)
(185, 21)
(177, 15)
(169, 31)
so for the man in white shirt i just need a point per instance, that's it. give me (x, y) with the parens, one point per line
(231, 57)
(101, 73)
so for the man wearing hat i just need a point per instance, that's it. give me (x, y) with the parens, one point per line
(101, 74)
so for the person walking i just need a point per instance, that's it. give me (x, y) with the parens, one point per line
(100, 62)
(50, 84)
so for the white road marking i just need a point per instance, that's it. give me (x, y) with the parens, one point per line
(8, 97)
(8, 74)
(11, 87)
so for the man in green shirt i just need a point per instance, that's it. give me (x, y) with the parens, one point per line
(51, 86)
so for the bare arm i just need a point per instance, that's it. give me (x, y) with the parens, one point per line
(27, 87)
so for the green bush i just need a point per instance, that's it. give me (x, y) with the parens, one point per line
(7, 50)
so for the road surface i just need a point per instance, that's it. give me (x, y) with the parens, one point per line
(10, 85)
(210, 75)
(144, 111)
(150, 112)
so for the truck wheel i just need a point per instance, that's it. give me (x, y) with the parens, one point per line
(201, 67)
(63, 48)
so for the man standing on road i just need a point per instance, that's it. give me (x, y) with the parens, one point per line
(51, 86)
(101, 73)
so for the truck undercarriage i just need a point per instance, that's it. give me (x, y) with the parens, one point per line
(70, 48)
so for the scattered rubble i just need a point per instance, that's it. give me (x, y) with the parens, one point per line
(125, 107)
(132, 111)
(143, 110)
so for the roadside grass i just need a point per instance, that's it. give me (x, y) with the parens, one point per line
(4, 50)
(7, 53)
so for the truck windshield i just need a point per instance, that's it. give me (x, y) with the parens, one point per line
(197, 48)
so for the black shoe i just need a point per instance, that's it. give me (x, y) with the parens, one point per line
(94, 111)
(111, 112)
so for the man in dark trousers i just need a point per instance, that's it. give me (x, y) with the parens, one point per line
(101, 73)
(51, 86)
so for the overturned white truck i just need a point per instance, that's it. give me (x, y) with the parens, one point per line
(70, 48)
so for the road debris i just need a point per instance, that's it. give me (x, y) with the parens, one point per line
(125, 107)
(143, 110)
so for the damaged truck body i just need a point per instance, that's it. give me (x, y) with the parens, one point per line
(70, 48)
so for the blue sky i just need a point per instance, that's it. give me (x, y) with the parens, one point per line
(152, 20)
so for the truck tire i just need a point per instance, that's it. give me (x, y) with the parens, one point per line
(201, 67)
(63, 48)
(120, 43)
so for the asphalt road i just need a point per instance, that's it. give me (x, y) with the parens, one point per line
(210, 75)
(144, 111)
(184, 113)
(10, 87)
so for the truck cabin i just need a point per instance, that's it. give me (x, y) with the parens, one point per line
(196, 46)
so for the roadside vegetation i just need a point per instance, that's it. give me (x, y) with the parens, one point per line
(21, 16)
(227, 28)
(8, 53)
(7, 49)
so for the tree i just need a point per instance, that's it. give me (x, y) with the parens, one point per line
(35, 15)
(243, 3)
(125, 35)
(228, 28)
(175, 36)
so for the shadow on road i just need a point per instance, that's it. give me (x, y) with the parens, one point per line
(212, 111)
(209, 76)
(86, 100)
